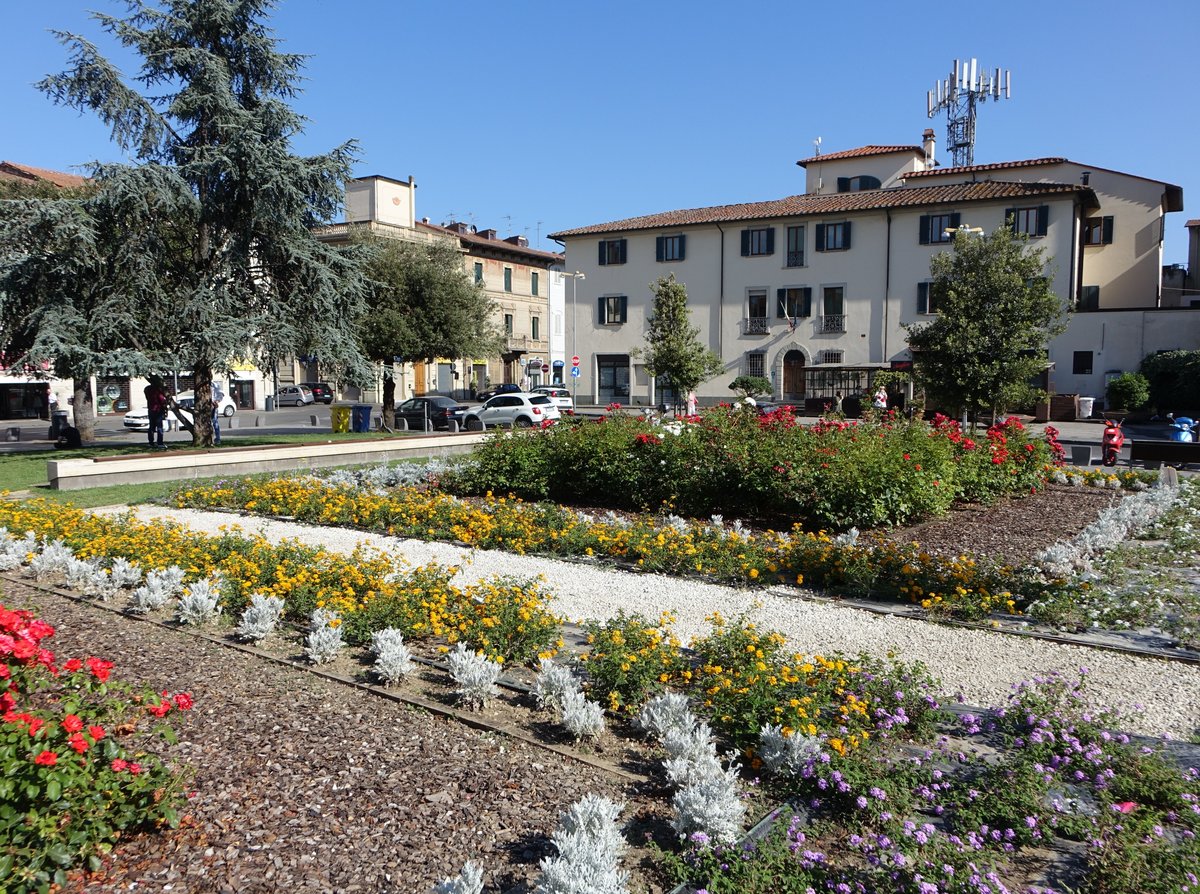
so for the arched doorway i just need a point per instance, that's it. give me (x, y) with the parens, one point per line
(793, 376)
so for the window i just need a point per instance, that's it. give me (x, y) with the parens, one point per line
(478, 272)
(508, 324)
(794, 302)
(934, 227)
(833, 356)
(758, 242)
(926, 303)
(1031, 221)
(669, 248)
(1089, 298)
(612, 251)
(756, 311)
(1098, 231)
(833, 237)
(1081, 363)
(533, 285)
(613, 309)
(833, 309)
(534, 326)
(795, 246)
(756, 364)
(508, 279)
(857, 184)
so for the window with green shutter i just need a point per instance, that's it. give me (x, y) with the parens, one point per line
(1098, 231)
(478, 272)
(833, 236)
(795, 246)
(612, 309)
(534, 326)
(1032, 221)
(669, 248)
(937, 228)
(758, 242)
(612, 251)
(925, 301)
(533, 283)
(508, 279)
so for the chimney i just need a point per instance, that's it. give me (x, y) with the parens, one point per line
(488, 234)
(519, 241)
(927, 143)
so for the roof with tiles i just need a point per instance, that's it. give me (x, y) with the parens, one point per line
(839, 203)
(995, 166)
(860, 152)
(11, 170)
(474, 239)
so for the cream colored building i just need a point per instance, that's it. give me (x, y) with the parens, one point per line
(516, 277)
(814, 290)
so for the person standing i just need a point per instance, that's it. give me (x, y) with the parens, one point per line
(837, 402)
(881, 398)
(217, 395)
(156, 409)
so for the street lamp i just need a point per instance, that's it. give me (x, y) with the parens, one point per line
(963, 228)
(574, 329)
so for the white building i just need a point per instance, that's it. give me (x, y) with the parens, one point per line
(813, 290)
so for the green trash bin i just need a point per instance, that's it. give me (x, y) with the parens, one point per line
(339, 417)
(360, 420)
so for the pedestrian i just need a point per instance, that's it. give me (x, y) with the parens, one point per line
(880, 401)
(156, 410)
(837, 402)
(217, 395)
(691, 403)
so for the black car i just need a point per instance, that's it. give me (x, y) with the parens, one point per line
(506, 388)
(437, 410)
(322, 392)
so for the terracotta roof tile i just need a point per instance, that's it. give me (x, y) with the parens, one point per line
(1195, 222)
(837, 203)
(475, 239)
(11, 170)
(860, 152)
(994, 166)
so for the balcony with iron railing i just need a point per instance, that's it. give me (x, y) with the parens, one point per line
(832, 323)
(757, 326)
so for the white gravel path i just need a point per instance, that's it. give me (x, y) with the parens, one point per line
(978, 667)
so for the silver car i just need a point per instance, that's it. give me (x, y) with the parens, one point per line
(294, 395)
(520, 409)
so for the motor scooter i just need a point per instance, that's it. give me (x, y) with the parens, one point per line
(1111, 442)
(1181, 430)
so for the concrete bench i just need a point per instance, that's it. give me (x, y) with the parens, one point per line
(1175, 453)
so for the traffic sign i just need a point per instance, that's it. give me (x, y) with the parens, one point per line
(574, 372)
(575, 360)
(545, 367)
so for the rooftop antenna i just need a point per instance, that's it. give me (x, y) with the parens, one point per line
(816, 147)
(539, 233)
(969, 84)
(507, 223)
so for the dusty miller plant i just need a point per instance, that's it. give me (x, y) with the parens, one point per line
(553, 682)
(469, 881)
(81, 572)
(147, 598)
(169, 579)
(589, 851)
(786, 754)
(583, 719)
(324, 640)
(691, 754)
(199, 603)
(392, 657)
(711, 804)
(123, 574)
(53, 559)
(475, 675)
(260, 618)
(666, 712)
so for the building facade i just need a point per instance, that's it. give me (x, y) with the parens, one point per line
(814, 291)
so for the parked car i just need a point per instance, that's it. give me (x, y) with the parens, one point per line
(506, 388)
(293, 395)
(559, 396)
(139, 420)
(322, 392)
(435, 409)
(521, 410)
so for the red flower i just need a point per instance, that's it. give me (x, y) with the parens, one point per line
(183, 701)
(96, 732)
(46, 759)
(72, 724)
(23, 650)
(906, 456)
(78, 743)
(135, 768)
(119, 764)
(159, 710)
(73, 665)
(100, 669)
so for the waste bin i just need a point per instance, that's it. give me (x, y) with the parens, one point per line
(339, 417)
(58, 423)
(1085, 407)
(270, 403)
(360, 418)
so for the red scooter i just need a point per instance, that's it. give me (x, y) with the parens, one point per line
(1112, 441)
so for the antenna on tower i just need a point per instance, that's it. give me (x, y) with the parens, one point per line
(507, 223)
(817, 146)
(969, 84)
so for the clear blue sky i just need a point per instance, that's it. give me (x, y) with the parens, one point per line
(532, 117)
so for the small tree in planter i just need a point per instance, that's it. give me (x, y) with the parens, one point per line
(1128, 391)
(750, 386)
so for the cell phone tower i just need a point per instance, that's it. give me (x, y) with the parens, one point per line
(968, 85)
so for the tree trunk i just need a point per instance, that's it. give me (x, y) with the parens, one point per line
(202, 406)
(389, 401)
(84, 410)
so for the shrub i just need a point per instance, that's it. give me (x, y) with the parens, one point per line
(324, 640)
(751, 386)
(589, 848)
(475, 675)
(1128, 391)
(260, 618)
(554, 682)
(393, 660)
(630, 658)
(583, 719)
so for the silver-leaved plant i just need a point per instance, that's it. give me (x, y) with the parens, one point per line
(324, 640)
(553, 682)
(590, 847)
(393, 660)
(200, 603)
(475, 675)
(260, 618)
(469, 881)
(583, 719)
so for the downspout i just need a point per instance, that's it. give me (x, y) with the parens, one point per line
(721, 300)
(887, 281)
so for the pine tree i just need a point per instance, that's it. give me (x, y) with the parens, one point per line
(673, 347)
(996, 314)
(212, 259)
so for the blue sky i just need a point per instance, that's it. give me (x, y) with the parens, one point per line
(532, 117)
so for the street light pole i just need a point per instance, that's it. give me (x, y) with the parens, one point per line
(574, 332)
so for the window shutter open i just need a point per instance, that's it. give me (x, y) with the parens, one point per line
(601, 306)
(955, 220)
(1106, 235)
(624, 247)
(659, 253)
(806, 310)
(925, 220)
(1043, 219)
(603, 253)
(781, 303)
(624, 311)
(820, 237)
(682, 246)
(922, 297)
(843, 184)
(771, 241)
(745, 243)
(846, 235)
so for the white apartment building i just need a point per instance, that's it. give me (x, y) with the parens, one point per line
(814, 290)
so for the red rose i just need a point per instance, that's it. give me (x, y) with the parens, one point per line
(46, 759)
(96, 732)
(78, 743)
(183, 701)
(73, 665)
(72, 724)
(159, 710)
(119, 765)
(100, 669)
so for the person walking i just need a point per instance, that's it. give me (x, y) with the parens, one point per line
(217, 395)
(156, 410)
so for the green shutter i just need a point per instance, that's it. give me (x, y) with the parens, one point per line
(659, 251)
(603, 253)
(624, 309)
(1043, 219)
(623, 246)
(682, 244)
(846, 235)
(955, 220)
(843, 184)
(745, 243)
(771, 240)
(820, 237)
(1107, 231)
(806, 310)
(922, 297)
(925, 220)
(601, 307)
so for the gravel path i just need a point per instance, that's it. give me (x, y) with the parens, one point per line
(978, 667)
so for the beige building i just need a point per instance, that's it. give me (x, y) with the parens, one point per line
(814, 290)
(515, 276)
